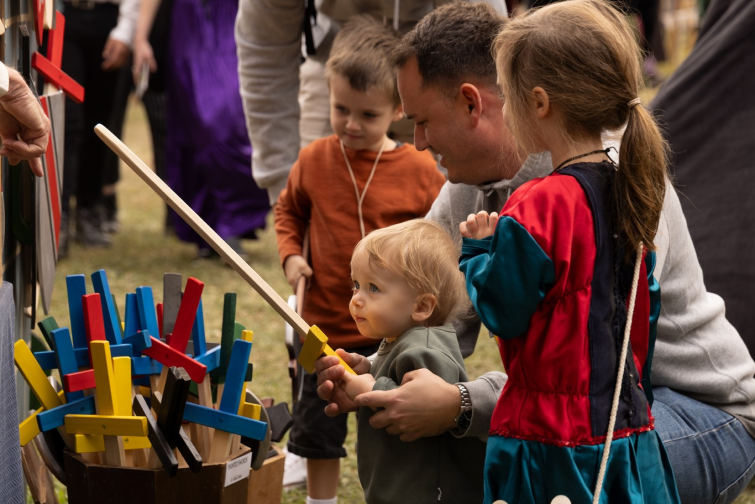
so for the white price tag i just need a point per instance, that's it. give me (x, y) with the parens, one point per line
(238, 469)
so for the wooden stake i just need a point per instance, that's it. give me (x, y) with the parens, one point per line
(221, 446)
(30, 472)
(115, 455)
(204, 439)
(140, 457)
(219, 394)
(129, 455)
(154, 383)
(37, 476)
(181, 460)
(162, 380)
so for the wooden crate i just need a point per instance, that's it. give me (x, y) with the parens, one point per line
(266, 485)
(96, 484)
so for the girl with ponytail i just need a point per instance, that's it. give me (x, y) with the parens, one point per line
(564, 276)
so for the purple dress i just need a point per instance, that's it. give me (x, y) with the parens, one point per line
(208, 150)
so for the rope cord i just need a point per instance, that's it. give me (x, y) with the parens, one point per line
(619, 379)
(360, 197)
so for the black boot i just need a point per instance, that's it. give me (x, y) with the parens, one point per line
(110, 222)
(89, 228)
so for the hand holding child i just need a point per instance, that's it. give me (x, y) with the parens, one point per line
(479, 226)
(296, 267)
(329, 373)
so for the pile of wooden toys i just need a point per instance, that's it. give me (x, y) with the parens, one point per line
(132, 396)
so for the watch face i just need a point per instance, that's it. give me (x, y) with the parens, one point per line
(464, 420)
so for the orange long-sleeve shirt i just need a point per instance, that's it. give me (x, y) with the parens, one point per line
(320, 192)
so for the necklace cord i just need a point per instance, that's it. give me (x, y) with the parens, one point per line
(360, 197)
(599, 151)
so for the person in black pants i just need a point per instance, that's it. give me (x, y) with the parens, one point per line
(92, 56)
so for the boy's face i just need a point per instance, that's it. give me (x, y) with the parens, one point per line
(360, 119)
(382, 303)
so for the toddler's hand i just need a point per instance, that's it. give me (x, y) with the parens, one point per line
(296, 267)
(355, 385)
(479, 226)
(329, 373)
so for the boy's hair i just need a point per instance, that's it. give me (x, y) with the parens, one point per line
(452, 44)
(361, 54)
(584, 54)
(425, 256)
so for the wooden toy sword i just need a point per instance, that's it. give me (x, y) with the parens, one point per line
(315, 342)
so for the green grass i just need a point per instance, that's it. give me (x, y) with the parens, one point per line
(141, 253)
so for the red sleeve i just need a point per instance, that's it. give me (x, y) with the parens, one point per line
(292, 214)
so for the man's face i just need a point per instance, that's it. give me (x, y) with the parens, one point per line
(433, 114)
(473, 153)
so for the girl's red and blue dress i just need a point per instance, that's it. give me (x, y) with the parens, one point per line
(552, 284)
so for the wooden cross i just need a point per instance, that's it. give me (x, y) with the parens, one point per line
(113, 419)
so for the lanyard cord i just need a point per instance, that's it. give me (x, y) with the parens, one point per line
(360, 197)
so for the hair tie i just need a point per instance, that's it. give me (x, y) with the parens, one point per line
(632, 103)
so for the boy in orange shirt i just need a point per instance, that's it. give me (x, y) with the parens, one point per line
(342, 187)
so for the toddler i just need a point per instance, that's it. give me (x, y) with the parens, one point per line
(406, 289)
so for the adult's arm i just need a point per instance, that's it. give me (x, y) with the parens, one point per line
(268, 43)
(117, 48)
(141, 46)
(128, 14)
(24, 127)
(484, 393)
(426, 405)
(437, 360)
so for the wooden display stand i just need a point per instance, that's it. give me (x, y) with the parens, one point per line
(266, 485)
(97, 484)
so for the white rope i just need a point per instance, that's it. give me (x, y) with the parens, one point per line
(619, 378)
(360, 197)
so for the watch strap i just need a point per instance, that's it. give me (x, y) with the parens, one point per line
(464, 419)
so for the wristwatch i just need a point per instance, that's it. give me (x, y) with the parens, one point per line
(464, 418)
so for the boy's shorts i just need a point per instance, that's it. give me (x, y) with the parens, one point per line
(315, 435)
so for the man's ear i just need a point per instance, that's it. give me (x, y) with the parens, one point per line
(424, 306)
(540, 102)
(398, 114)
(472, 100)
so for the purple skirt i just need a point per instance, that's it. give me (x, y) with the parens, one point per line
(209, 157)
